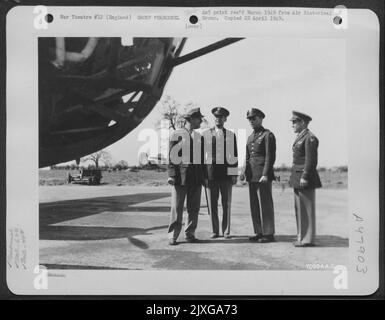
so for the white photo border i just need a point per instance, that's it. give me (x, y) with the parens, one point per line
(362, 96)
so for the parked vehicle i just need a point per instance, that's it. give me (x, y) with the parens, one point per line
(86, 176)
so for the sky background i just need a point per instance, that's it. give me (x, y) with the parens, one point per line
(275, 75)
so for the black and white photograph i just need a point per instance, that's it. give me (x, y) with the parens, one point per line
(236, 157)
(135, 206)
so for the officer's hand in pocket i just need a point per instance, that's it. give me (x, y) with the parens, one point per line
(171, 181)
(263, 179)
(303, 183)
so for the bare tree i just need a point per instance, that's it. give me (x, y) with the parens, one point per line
(97, 157)
(173, 112)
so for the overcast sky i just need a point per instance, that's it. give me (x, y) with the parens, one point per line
(275, 75)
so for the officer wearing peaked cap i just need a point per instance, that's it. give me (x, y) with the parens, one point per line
(220, 111)
(259, 172)
(221, 159)
(304, 179)
(254, 112)
(185, 171)
(193, 113)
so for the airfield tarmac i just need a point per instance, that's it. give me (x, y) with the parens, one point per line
(125, 227)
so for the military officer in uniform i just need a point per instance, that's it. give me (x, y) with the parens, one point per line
(259, 172)
(185, 171)
(304, 179)
(221, 159)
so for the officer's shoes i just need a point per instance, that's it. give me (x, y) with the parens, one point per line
(192, 240)
(214, 236)
(172, 242)
(227, 236)
(299, 244)
(266, 239)
(255, 238)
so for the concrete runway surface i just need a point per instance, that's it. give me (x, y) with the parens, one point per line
(112, 227)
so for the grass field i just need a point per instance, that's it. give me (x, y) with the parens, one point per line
(330, 179)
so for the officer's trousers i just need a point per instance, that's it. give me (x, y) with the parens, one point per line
(304, 203)
(224, 187)
(262, 208)
(178, 196)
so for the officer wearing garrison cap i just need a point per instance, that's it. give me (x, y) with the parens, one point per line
(304, 179)
(185, 171)
(221, 159)
(259, 172)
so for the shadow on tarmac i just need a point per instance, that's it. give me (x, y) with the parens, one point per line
(322, 241)
(61, 211)
(86, 233)
(53, 213)
(53, 266)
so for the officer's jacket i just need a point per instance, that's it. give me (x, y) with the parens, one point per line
(260, 155)
(305, 158)
(220, 154)
(185, 157)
